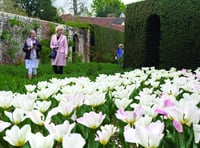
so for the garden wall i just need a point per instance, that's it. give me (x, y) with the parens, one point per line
(163, 33)
(14, 29)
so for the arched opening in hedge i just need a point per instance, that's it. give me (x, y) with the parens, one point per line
(152, 41)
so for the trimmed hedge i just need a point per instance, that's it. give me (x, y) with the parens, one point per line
(105, 42)
(179, 42)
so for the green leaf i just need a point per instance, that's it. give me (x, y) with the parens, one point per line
(83, 130)
(91, 140)
(188, 131)
(26, 145)
(181, 140)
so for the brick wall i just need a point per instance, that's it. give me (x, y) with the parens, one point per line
(101, 21)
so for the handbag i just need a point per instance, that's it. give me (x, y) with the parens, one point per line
(54, 51)
(53, 54)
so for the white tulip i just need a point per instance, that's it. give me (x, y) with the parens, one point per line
(73, 140)
(71, 90)
(123, 92)
(30, 88)
(105, 134)
(145, 98)
(170, 88)
(76, 99)
(45, 93)
(60, 82)
(66, 108)
(91, 119)
(42, 85)
(18, 100)
(28, 103)
(191, 113)
(6, 98)
(36, 117)
(54, 87)
(196, 129)
(23, 101)
(147, 136)
(33, 95)
(60, 97)
(39, 141)
(95, 99)
(90, 88)
(129, 117)
(17, 116)
(4, 125)
(58, 131)
(42, 106)
(51, 113)
(16, 136)
(122, 103)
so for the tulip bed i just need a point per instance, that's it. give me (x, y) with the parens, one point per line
(140, 108)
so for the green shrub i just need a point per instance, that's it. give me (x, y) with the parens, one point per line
(179, 39)
(45, 51)
(109, 58)
(4, 34)
(15, 22)
(51, 28)
(76, 58)
(135, 33)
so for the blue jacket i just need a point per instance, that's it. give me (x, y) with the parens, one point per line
(120, 52)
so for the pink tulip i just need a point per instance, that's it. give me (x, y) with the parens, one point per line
(127, 116)
(178, 126)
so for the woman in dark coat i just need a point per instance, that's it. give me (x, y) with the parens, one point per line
(32, 48)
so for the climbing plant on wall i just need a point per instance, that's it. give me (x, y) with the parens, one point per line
(13, 36)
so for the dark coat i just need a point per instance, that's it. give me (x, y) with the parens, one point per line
(28, 52)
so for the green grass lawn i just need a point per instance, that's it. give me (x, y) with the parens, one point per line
(14, 77)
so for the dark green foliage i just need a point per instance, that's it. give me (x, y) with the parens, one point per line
(15, 22)
(113, 8)
(135, 33)
(47, 12)
(39, 8)
(105, 43)
(104, 7)
(180, 33)
(76, 58)
(45, 51)
(4, 34)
